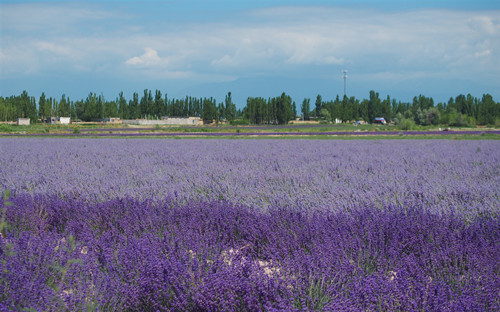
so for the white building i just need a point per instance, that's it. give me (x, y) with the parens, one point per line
(188, 121)
(23, 121)
(64, 120)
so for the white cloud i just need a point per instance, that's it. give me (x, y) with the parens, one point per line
(226, 60)
(149, 58)
(485, 24)
(53, 48)
(481, 54)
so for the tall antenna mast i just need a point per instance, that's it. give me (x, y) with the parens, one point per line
(345, 81)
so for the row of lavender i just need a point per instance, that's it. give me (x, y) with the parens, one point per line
(271, 127)
(250, 225)
(443, 176)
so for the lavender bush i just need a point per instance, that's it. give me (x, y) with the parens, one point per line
(130, 255)
(442, 176)
(205, 225)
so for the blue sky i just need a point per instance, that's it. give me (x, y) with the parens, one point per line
(251, 48)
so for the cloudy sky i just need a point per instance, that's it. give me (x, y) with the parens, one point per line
(206, 48)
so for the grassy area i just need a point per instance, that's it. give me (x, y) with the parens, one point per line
(47, 128)
(324, 131)
(464, 137)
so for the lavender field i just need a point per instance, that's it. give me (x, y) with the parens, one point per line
(249, 225)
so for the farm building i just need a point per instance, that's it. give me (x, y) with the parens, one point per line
(192, 121)
(58, 120)
(23, 121)
(64, 120)
(183, 121)
(113, 120)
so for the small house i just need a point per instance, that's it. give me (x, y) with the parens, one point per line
(64, 120)
(58, 120)
(23, 121)
(113, 120)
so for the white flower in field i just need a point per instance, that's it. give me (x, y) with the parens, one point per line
(392, 275)
(228, 255)
(84, 250)
(67, 292)
(268, 267)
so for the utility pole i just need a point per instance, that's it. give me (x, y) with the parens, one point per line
(345, 81)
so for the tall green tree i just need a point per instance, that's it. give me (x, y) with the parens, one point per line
(25, 106)
(146, 104)
(385, 109)
(209, 110)
(166, 107)
(110, 109)
(230, 108)
(221, 113)
(79, 110)
(488, 110)
(123, 109)
(135, 111)
(158, 104)
(185, 107)
(305, 108)
(373, 106)
(41, 107)
(89, 111)
(345, 109)
(64, 109)
(334, 109)
(284, 109)
(100, 107)
(49, 108)
(318, 105)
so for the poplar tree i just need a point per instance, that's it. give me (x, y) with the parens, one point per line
(41, 107)
(318, 104)
(306, 108)
(230, 109)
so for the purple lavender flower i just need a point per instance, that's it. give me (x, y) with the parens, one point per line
(250, 225)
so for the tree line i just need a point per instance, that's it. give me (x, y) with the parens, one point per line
(459, 111)
(97, 107)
